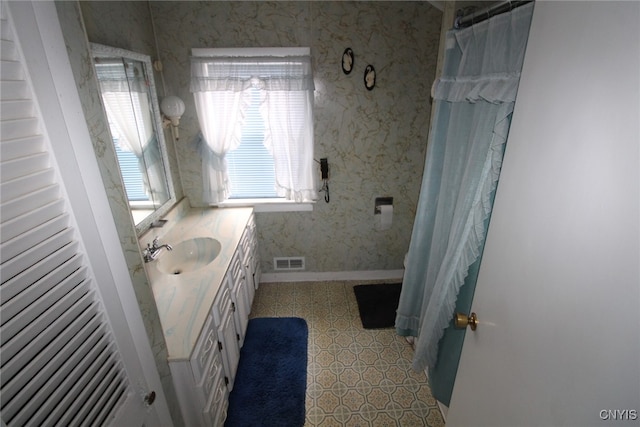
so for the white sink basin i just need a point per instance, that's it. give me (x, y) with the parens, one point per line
(189, 255)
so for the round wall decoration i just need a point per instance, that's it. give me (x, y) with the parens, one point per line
(347, 60)
(369, 77)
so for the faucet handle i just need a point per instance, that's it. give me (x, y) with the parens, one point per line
(155, 242)
(147, 253)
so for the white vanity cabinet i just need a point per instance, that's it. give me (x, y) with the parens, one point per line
(201, 382)
(204, 380)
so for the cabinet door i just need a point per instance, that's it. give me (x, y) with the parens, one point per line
(240, 308)
(257, 272)
(215, 411)
(249, 273)
(249, 248)
(236, 279)
(228, 339)
(254, 259)
(212, 375)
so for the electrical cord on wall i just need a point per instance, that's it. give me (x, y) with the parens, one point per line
(325, 189)
(324, 170)
(157, 64)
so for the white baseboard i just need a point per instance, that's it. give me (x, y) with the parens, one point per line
(325, 276)
(444, 410)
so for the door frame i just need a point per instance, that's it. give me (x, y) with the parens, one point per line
(557, 295)
(40, 35)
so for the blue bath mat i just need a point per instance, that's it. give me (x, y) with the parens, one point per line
(271, 380)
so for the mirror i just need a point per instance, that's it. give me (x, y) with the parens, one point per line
(130, 102)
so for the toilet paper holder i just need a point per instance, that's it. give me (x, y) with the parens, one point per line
(381, 201)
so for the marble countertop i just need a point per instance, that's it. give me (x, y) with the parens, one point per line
(184, 301)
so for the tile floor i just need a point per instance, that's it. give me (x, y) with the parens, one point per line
(356, 376)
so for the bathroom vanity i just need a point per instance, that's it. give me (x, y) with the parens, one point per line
(203, 300)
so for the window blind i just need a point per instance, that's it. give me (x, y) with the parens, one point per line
(255, 111)
(131, 175)
(250, 166)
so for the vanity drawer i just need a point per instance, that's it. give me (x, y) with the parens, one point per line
(223, 299)
(247, 241)
(247, 256)
(235, 269)
(251, 228)
(205, 346)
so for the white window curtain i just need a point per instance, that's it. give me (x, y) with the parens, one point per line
(221, 117)
(291, 146)
(126, 100)
(221, 87)
(134, 128)
(125, 95)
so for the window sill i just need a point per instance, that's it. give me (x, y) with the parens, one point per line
(267, 205)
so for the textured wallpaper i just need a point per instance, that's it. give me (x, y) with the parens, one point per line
(375, 141)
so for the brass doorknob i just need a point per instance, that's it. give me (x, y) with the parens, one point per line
(462, 320)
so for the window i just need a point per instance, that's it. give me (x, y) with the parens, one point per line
(131, 175)
(255, 112)
(250, 166)
(125, 97)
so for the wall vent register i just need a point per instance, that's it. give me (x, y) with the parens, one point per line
(288, 263)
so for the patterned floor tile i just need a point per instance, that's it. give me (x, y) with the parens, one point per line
(355, 377)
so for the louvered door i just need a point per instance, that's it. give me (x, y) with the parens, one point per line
(59, 361)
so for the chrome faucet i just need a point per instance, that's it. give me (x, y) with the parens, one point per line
(153, 250)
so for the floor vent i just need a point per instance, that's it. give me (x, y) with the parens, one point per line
(288, 263)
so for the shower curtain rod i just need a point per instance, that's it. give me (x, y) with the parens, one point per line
(463, 21)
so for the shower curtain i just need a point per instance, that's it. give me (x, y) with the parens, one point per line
(474, 101)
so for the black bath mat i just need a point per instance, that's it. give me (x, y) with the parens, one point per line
(378, 304)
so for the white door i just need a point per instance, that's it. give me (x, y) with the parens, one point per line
(558, 295)
(74, 350)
